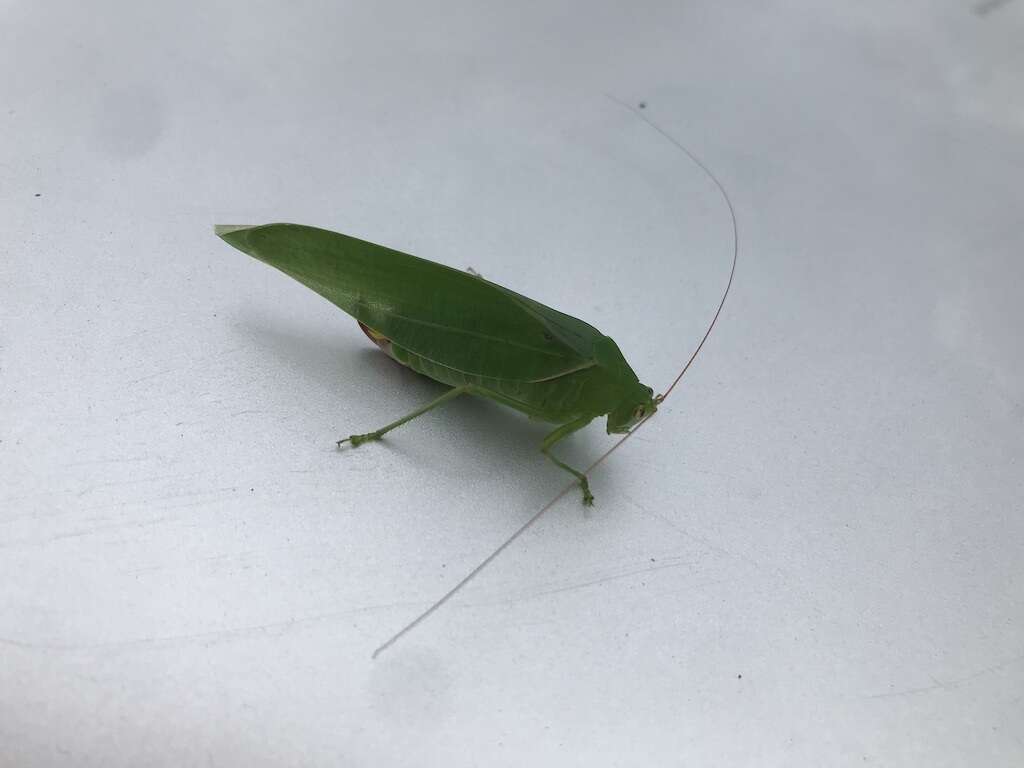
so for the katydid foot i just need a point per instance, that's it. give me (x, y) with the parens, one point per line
(559, 434)
(357, 440)
(588, 497)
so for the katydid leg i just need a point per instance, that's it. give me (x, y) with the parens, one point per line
(357, 440)
(560, 434)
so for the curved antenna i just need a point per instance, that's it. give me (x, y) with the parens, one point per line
(661, 398)
(735, 238)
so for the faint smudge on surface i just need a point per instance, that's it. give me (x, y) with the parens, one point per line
(987, 6)
(128, 121)
(410, 688)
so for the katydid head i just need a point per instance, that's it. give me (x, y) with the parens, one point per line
(634, 408)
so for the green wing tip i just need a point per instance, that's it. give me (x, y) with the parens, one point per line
(226, 229)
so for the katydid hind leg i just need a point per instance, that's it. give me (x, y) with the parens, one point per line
(357, 440)
(557, 436)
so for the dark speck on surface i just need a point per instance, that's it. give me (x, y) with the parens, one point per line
(39, 194)
(642, 105)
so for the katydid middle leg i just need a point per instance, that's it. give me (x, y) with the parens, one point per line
(358, 440)
(559, 434)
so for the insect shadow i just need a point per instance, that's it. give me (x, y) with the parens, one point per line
(499, 437)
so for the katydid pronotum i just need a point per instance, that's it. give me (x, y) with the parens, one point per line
(475, 336)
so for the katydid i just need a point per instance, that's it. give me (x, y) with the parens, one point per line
(457, 328)
(477, 337)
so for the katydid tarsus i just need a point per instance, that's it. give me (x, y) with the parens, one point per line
(475, 336)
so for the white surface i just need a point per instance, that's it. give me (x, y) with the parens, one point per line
(830, 507)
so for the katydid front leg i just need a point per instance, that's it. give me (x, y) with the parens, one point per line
(560, 434)
(358, 440)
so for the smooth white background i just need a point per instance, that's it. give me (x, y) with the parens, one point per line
(812, 556)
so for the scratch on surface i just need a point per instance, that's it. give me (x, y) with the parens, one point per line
(946, 685)
(692, 536)
(127, 460)
(792, 582)
(93, 531)
(273, 628)
(214, 492)
(119, 483)
(908, 691)
(147, 377)
(669, 563)
(171, 502)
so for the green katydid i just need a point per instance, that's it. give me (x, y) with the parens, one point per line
(462, 330)
(477, 337)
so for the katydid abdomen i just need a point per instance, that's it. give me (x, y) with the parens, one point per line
(555, 402)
